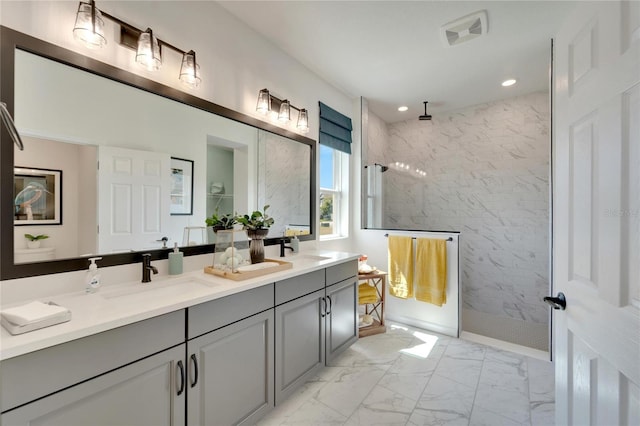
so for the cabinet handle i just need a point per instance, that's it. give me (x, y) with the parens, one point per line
(181, 368)
(330, 305)
(195, 369)
(324, 301)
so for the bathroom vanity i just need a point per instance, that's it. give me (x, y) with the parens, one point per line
(196, 349)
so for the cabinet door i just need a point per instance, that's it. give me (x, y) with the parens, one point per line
(148, 392)
(230, 373)
(300, 328)
(342, 317)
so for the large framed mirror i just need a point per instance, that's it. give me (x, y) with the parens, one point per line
(143, 165)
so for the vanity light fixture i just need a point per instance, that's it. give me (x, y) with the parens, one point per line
(89, 29)
(268, 103)
(285, 111)
(148, 53)
(264, 102)
(303, 121)
(190, 70)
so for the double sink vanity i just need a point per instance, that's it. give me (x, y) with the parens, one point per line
(193, 349)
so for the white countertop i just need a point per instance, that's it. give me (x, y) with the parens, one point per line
(130, 302)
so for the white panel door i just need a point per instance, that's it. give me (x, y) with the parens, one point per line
(133, 194)
(597, 214)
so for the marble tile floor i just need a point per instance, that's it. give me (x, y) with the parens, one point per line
(410, 376)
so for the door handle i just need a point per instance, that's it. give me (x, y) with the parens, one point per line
(559, 302)
(181, 368)
(194, 360)
(330, 305)
(324, 310)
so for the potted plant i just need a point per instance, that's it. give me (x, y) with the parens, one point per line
(257, 226)
(33, 241)
(219, 222)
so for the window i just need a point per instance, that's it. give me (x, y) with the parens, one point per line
(335, 147)
(333, 199)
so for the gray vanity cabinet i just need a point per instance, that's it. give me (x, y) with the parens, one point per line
(128, 375)
(231, 373)
(149, 392)
(316, 319)
(230, 369)
(300, 342)
(342, 317)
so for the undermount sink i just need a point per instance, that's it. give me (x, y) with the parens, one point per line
(171, 288)
(299, 258)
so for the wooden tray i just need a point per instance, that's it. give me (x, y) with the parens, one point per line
(239, 276)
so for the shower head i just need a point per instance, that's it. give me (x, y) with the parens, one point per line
(11, 127)
(425, 116)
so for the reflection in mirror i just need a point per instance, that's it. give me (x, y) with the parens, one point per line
(284, 176)
(130, 194)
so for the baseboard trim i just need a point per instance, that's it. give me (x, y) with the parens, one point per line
(425, 325)
(507, 346)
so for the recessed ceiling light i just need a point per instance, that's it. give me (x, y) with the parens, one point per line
(403, 108)
(509, 82)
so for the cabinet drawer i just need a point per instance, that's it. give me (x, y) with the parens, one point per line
(36, 374)
(342, 271)
(295, 287)
(212, 315)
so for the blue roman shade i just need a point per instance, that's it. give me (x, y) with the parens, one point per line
(335, 129)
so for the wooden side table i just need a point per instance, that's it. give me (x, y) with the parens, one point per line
(379, 280)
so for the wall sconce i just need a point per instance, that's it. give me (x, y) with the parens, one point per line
(190, 70)
(89, 29)
(303, 121)
(148, 51)
(266, 102)
(285, 111)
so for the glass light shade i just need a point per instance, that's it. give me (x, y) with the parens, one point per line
(285, 111)
(264, 102)
(148, 54)
(190, 70)
(303, 121)
(89, 27)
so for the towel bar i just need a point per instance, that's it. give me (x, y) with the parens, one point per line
(413, 238)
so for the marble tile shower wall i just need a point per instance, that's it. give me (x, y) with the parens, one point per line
(487, 175)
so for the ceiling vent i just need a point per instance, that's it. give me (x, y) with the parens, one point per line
(464, 29)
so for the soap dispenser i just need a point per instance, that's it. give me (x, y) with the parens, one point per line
(295, 243)
(175, 261)
(92, 281)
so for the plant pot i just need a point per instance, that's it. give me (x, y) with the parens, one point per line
(256, 245)
(33, 244)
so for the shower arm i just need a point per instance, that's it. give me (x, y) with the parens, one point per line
(11, 127)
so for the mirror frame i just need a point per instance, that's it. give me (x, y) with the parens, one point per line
(10, 41)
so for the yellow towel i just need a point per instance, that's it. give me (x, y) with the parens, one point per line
(400, 266)
(431, 271)
(367, 294)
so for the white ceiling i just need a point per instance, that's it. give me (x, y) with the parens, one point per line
(392, 53)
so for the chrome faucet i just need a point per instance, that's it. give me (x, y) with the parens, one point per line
(147, 268)
(283, 246)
